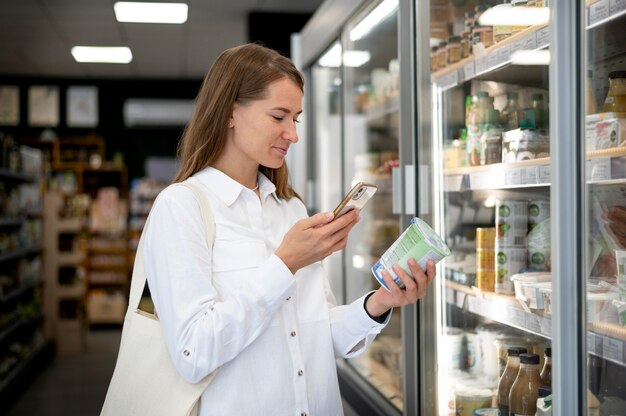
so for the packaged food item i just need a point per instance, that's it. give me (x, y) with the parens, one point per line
(485, 238)
(487, 335)
(538, 211)
(483, 34)
(538, 246)
(605, 130)
(524, 144)
(465, 44)
(528, 288)
(467, 400)
(511, 223)
(474, 354)
(454, 349)
(454, 49)
(487, 411)
(434, 60)
(508, 377)
(491, 139)
(508, 115)
(616, 98)
(442, 55)
(524, 391)
(418, 241)
(485, 258)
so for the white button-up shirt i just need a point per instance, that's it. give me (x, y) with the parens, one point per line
(272, 337)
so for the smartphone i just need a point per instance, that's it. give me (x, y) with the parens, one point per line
(356, 198)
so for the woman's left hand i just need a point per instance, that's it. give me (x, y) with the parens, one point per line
(415, 288)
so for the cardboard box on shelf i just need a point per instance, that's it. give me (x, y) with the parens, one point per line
(605, 130)
(105, 308)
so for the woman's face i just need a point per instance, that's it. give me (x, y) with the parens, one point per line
(262, 130)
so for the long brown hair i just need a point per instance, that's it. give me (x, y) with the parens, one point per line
(240, 74)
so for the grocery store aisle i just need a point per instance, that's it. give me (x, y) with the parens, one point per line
(75, 385)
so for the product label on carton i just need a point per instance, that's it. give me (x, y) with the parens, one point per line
(418, 241)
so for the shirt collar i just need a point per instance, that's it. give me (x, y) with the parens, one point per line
(228, 190)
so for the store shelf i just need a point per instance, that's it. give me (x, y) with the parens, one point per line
(603, 167)
(70, 258)
(10, 221)
(71, 225)
(16, 325)
(507, 310)
(16, 293)
(70, 291)
(15, 382)
(9, 175)
(16, 254)
(604, 11)
(496, 57)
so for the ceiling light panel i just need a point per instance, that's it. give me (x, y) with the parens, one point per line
(140, 12)
(102, 54)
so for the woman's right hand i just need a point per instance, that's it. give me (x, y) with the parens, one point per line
(315, 238)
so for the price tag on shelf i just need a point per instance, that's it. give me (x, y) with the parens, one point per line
(613, 349)
(598, 11)
(543, 37)
(492, 60)
(481, 64)
(449, 80)
(450, 295)
(591, 343)
(512, 177)
(599, 169)
(452, 183)
(546, 327)
(533, 323)
(518, 45)
(469, 70)
(530, 41)
(543, 175)
(518, 317)
(528, 176)
(460, 299)
(504, 54)
(474, 305)
(616, 6)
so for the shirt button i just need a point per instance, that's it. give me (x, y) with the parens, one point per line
(288, 298)
(303, 414)
(300, 372)
(293, 333)
(186, 353)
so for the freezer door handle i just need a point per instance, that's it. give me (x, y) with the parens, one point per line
(396, 190)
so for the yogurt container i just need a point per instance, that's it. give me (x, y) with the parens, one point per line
(418, 241)
(466, 400)
(487, 411)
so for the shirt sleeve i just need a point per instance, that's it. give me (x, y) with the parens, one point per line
(202, 330)
(353, 330)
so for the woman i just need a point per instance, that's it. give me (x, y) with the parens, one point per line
(259, 309)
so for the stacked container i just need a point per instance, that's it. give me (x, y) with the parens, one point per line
(511, 227)
(485, 259)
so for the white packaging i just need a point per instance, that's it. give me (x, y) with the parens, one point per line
(511, 223)
(604, 131)
(538, 210)
(509, 261)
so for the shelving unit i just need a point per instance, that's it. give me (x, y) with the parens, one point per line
(24, 351)
(64, 271)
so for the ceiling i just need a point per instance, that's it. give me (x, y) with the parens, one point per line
(36, 37)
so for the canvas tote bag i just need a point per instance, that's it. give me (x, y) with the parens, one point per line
(145, 381)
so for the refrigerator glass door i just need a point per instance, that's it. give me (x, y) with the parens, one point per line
(371, 75)
(490, 158)
(605, 141)
(326, 149)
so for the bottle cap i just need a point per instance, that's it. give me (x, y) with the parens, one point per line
(617, 74)
(516, 351)
(529, 359)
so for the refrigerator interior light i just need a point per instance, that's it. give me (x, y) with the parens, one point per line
(507, 15)
(377, 15)
(358, 262)
(332, 58)
(490, 202)
(526, 57)
(102, 54)
(146, 12)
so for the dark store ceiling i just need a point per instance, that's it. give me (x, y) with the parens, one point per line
(36, 37)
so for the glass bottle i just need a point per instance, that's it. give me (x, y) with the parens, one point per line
(525, 388)
(539, 111)
(546, 371)
(508, 377)
(509, 117)
(616, 98)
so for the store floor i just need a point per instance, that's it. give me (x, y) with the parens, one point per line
(75, 385)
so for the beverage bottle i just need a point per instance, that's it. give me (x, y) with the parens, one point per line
(508, 116)
(524, 391)
(508, 377)
(540, 111)
(616, 98)
(546, 371)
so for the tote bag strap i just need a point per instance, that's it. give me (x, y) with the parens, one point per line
(138, 281)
